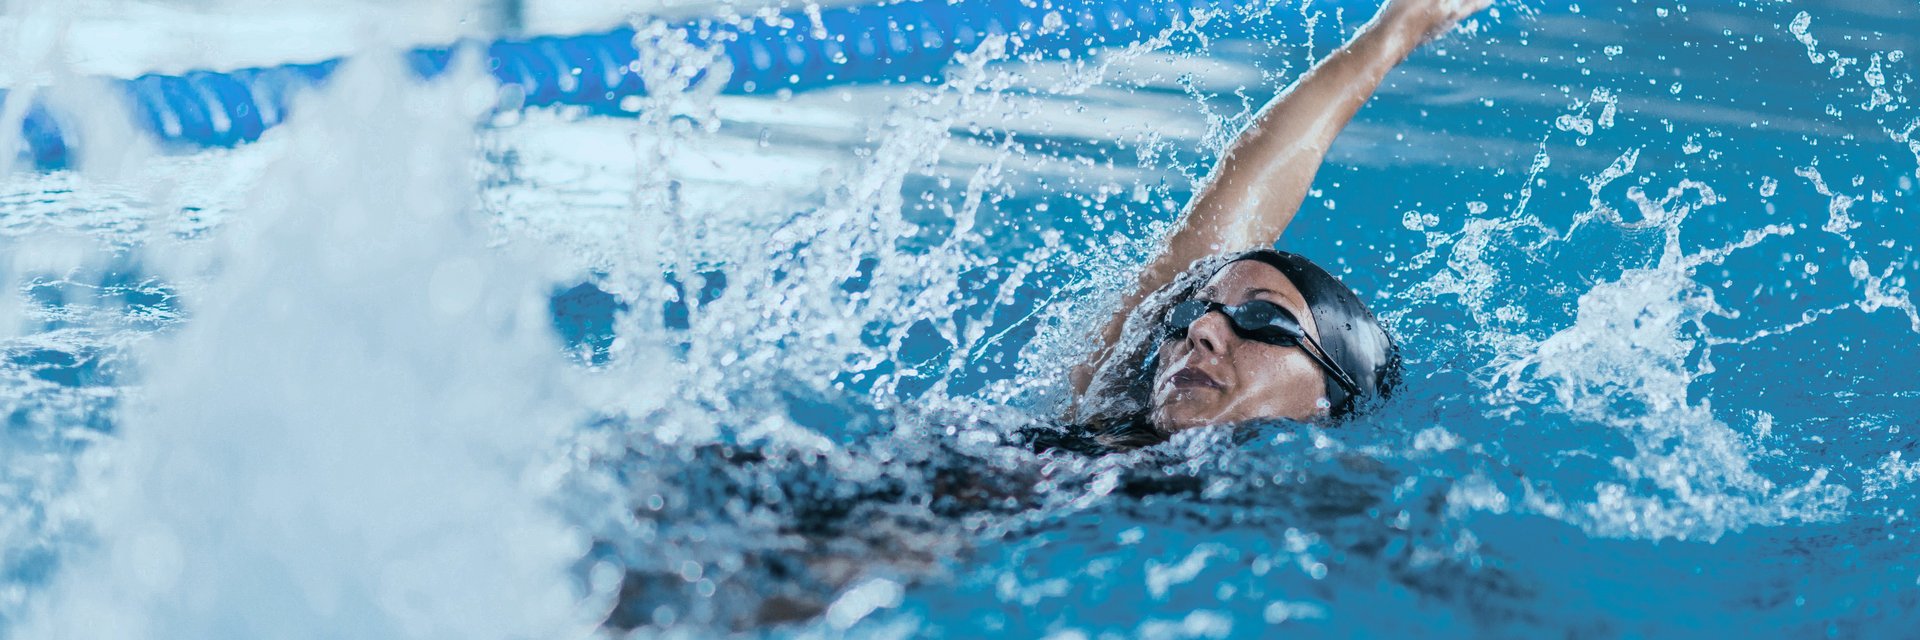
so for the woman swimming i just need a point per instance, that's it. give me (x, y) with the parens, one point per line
(1219, 328)
(1212, 333)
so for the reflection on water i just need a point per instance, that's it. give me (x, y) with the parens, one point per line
(1650, 265)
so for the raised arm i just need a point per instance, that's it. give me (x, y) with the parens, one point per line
(1264, 175)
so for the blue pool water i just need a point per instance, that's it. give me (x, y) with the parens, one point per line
(753, 364)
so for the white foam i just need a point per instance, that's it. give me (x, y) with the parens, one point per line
(351, 417)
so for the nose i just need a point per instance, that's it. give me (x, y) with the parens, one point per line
(1209, 333)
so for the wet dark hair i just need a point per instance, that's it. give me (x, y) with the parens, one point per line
(1347, 330)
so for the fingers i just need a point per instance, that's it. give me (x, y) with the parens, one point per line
(1432, 17)
(1442, 15)
(1453, 11)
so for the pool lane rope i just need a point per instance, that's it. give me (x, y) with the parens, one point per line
(794, 51)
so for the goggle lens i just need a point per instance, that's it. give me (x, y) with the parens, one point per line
(1257, 320)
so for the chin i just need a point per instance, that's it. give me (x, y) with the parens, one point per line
(1176, 409)
(1178, 416)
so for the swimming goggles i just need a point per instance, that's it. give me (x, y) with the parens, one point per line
(1259, 321)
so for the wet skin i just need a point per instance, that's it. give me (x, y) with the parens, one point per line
(1213, 376)
(1264, 175)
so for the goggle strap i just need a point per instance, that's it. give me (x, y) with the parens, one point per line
(1339, 375)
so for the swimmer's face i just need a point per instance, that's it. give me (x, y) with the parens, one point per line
(1213, 376)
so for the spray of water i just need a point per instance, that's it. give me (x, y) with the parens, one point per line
(1639, 342)
(354, 415)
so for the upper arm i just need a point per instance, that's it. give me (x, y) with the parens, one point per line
(1223, 218)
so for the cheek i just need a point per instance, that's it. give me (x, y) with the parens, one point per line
(1286, 380)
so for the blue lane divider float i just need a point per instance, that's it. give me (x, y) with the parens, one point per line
(903, 41)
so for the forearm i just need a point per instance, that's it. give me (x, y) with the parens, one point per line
(1264, 175)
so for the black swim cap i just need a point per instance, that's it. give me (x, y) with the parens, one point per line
(1349, 334)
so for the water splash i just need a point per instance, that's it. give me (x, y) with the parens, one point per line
(352, 415)
(1626, 363)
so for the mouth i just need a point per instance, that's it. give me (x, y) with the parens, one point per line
(1191, 378)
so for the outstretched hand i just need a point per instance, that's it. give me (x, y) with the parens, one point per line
(1429, 18)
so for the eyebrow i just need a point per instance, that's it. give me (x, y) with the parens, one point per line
(1214, 292)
